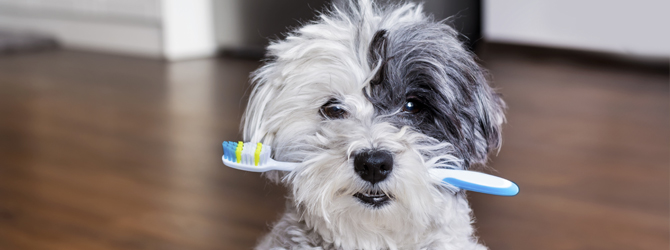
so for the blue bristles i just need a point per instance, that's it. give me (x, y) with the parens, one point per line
(229, 148)
(225, 149)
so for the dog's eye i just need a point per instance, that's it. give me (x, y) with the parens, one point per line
(412, 106)
(333, 110)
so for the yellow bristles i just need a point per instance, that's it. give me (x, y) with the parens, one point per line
(257, 154)
(238, 151)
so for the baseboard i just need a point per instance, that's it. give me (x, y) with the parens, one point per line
(659, 64)
(122, 38)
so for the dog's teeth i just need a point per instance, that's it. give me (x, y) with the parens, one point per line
(374, 195)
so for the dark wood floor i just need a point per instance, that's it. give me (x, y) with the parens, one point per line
(105, 152)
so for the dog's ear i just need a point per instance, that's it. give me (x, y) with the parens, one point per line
(254, 127)
(489, 108)
(254, 121)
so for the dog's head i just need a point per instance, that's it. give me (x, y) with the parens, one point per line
(369, 99)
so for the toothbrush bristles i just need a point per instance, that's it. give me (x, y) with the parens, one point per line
(255, 154)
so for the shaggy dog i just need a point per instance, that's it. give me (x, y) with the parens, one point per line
(367, 99)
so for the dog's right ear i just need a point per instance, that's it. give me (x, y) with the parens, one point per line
(254, 127)
(254, 121)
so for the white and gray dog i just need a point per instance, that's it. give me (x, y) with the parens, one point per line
(368, 98)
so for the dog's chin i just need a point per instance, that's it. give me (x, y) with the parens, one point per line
(373, 198)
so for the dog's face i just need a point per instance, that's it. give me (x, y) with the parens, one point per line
(368, 101)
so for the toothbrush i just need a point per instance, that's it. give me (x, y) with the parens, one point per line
(256, 158)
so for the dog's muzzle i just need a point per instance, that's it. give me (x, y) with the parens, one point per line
(373, 166)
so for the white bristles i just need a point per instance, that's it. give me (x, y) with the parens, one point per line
(265, 154)
(248, 153)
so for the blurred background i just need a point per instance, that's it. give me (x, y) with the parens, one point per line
(112, 113)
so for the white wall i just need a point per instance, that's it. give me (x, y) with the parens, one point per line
(120, 9)
(634, 27)
(118, 26)
(170, 29)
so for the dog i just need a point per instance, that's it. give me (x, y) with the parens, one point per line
(367, 99)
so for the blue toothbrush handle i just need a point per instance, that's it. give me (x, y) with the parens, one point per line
(510, 190)
(477, 182)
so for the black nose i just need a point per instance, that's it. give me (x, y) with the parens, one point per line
(374, 165)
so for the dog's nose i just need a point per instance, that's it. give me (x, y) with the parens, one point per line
(373, 165)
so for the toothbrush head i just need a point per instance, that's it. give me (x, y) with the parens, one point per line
(254, 157)
(252, 154)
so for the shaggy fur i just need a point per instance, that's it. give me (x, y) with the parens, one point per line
(365, 77)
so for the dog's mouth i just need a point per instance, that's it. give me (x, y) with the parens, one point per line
(373, 198)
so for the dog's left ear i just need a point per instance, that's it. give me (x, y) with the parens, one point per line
(490, 114)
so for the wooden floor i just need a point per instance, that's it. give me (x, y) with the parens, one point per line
(106, 152)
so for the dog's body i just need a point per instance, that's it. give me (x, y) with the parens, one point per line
(368, 99)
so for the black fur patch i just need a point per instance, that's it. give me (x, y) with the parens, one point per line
(377, 55)
(427, 63)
